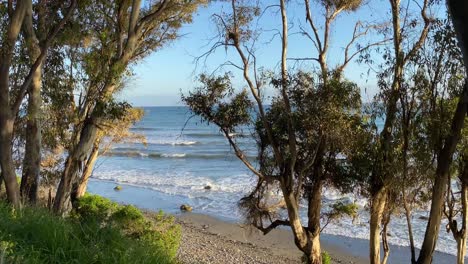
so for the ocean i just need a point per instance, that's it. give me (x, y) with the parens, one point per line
(184, 155)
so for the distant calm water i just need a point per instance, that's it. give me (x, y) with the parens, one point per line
(183, 156)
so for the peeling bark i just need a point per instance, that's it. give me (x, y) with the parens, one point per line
(377, 209)
(73, 165)
(83, 184)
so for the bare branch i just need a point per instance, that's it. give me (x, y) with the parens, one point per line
(273, 225)
(424, 32)
(240, 154)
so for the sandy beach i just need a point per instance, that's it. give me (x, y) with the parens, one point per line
(209, 240)
(213, 239)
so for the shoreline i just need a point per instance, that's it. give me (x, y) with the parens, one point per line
(210, 238)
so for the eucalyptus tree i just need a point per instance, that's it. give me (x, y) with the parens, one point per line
(34, 31)
(301, 137)
(456, 204)
(459, 15)
(406, 44)
(433, 80)
(118, 35)
(11, 99)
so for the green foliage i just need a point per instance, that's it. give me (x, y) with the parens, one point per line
(94, 207)
(326, 259)
(340, 209)
(159, 230)
(34, 235)
(216, 102)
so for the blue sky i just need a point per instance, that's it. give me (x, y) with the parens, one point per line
(161, 77)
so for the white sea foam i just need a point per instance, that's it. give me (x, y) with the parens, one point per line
(184, 143)
(225, 193)
(174, 155)
(171, 141)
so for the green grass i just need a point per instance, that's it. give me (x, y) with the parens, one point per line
(99, 231)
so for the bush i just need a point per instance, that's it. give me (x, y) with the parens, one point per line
(157, 230)
(34, 235)
(94, 208)
(326, 259)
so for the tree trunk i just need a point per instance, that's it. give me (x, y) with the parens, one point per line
(410, 229)
(459, 13)
(83, 184)
(314, 206)
(6, 116)
(73, 165)
(461, 250)
(386, 246)
(32, 156)
(377, 208)
(306, 243)
(442, 179)
(6, 160)
(461, 241)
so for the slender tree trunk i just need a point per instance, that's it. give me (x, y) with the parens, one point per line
(32, 156)
(442, 179)
(410, 229)
(461, 250)
(73, 165)
(6, 160)
(386, 246)
(462, 234)
(377, 208)
(83, 184)
(7, 118)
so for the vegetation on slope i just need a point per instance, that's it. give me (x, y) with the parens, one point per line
(99, 231)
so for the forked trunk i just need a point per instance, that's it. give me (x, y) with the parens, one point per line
(83, 184)
(377, 208)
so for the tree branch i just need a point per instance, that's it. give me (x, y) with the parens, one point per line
(273, 225)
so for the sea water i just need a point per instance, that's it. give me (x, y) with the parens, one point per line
(183, 155)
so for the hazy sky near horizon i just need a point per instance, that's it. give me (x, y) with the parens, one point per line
(161, 78)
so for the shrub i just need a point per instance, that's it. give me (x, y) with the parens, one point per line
(34, 235)
(156, 230)
(94, 208)
(326, 259)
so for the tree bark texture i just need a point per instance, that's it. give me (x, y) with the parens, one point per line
(7, 117)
